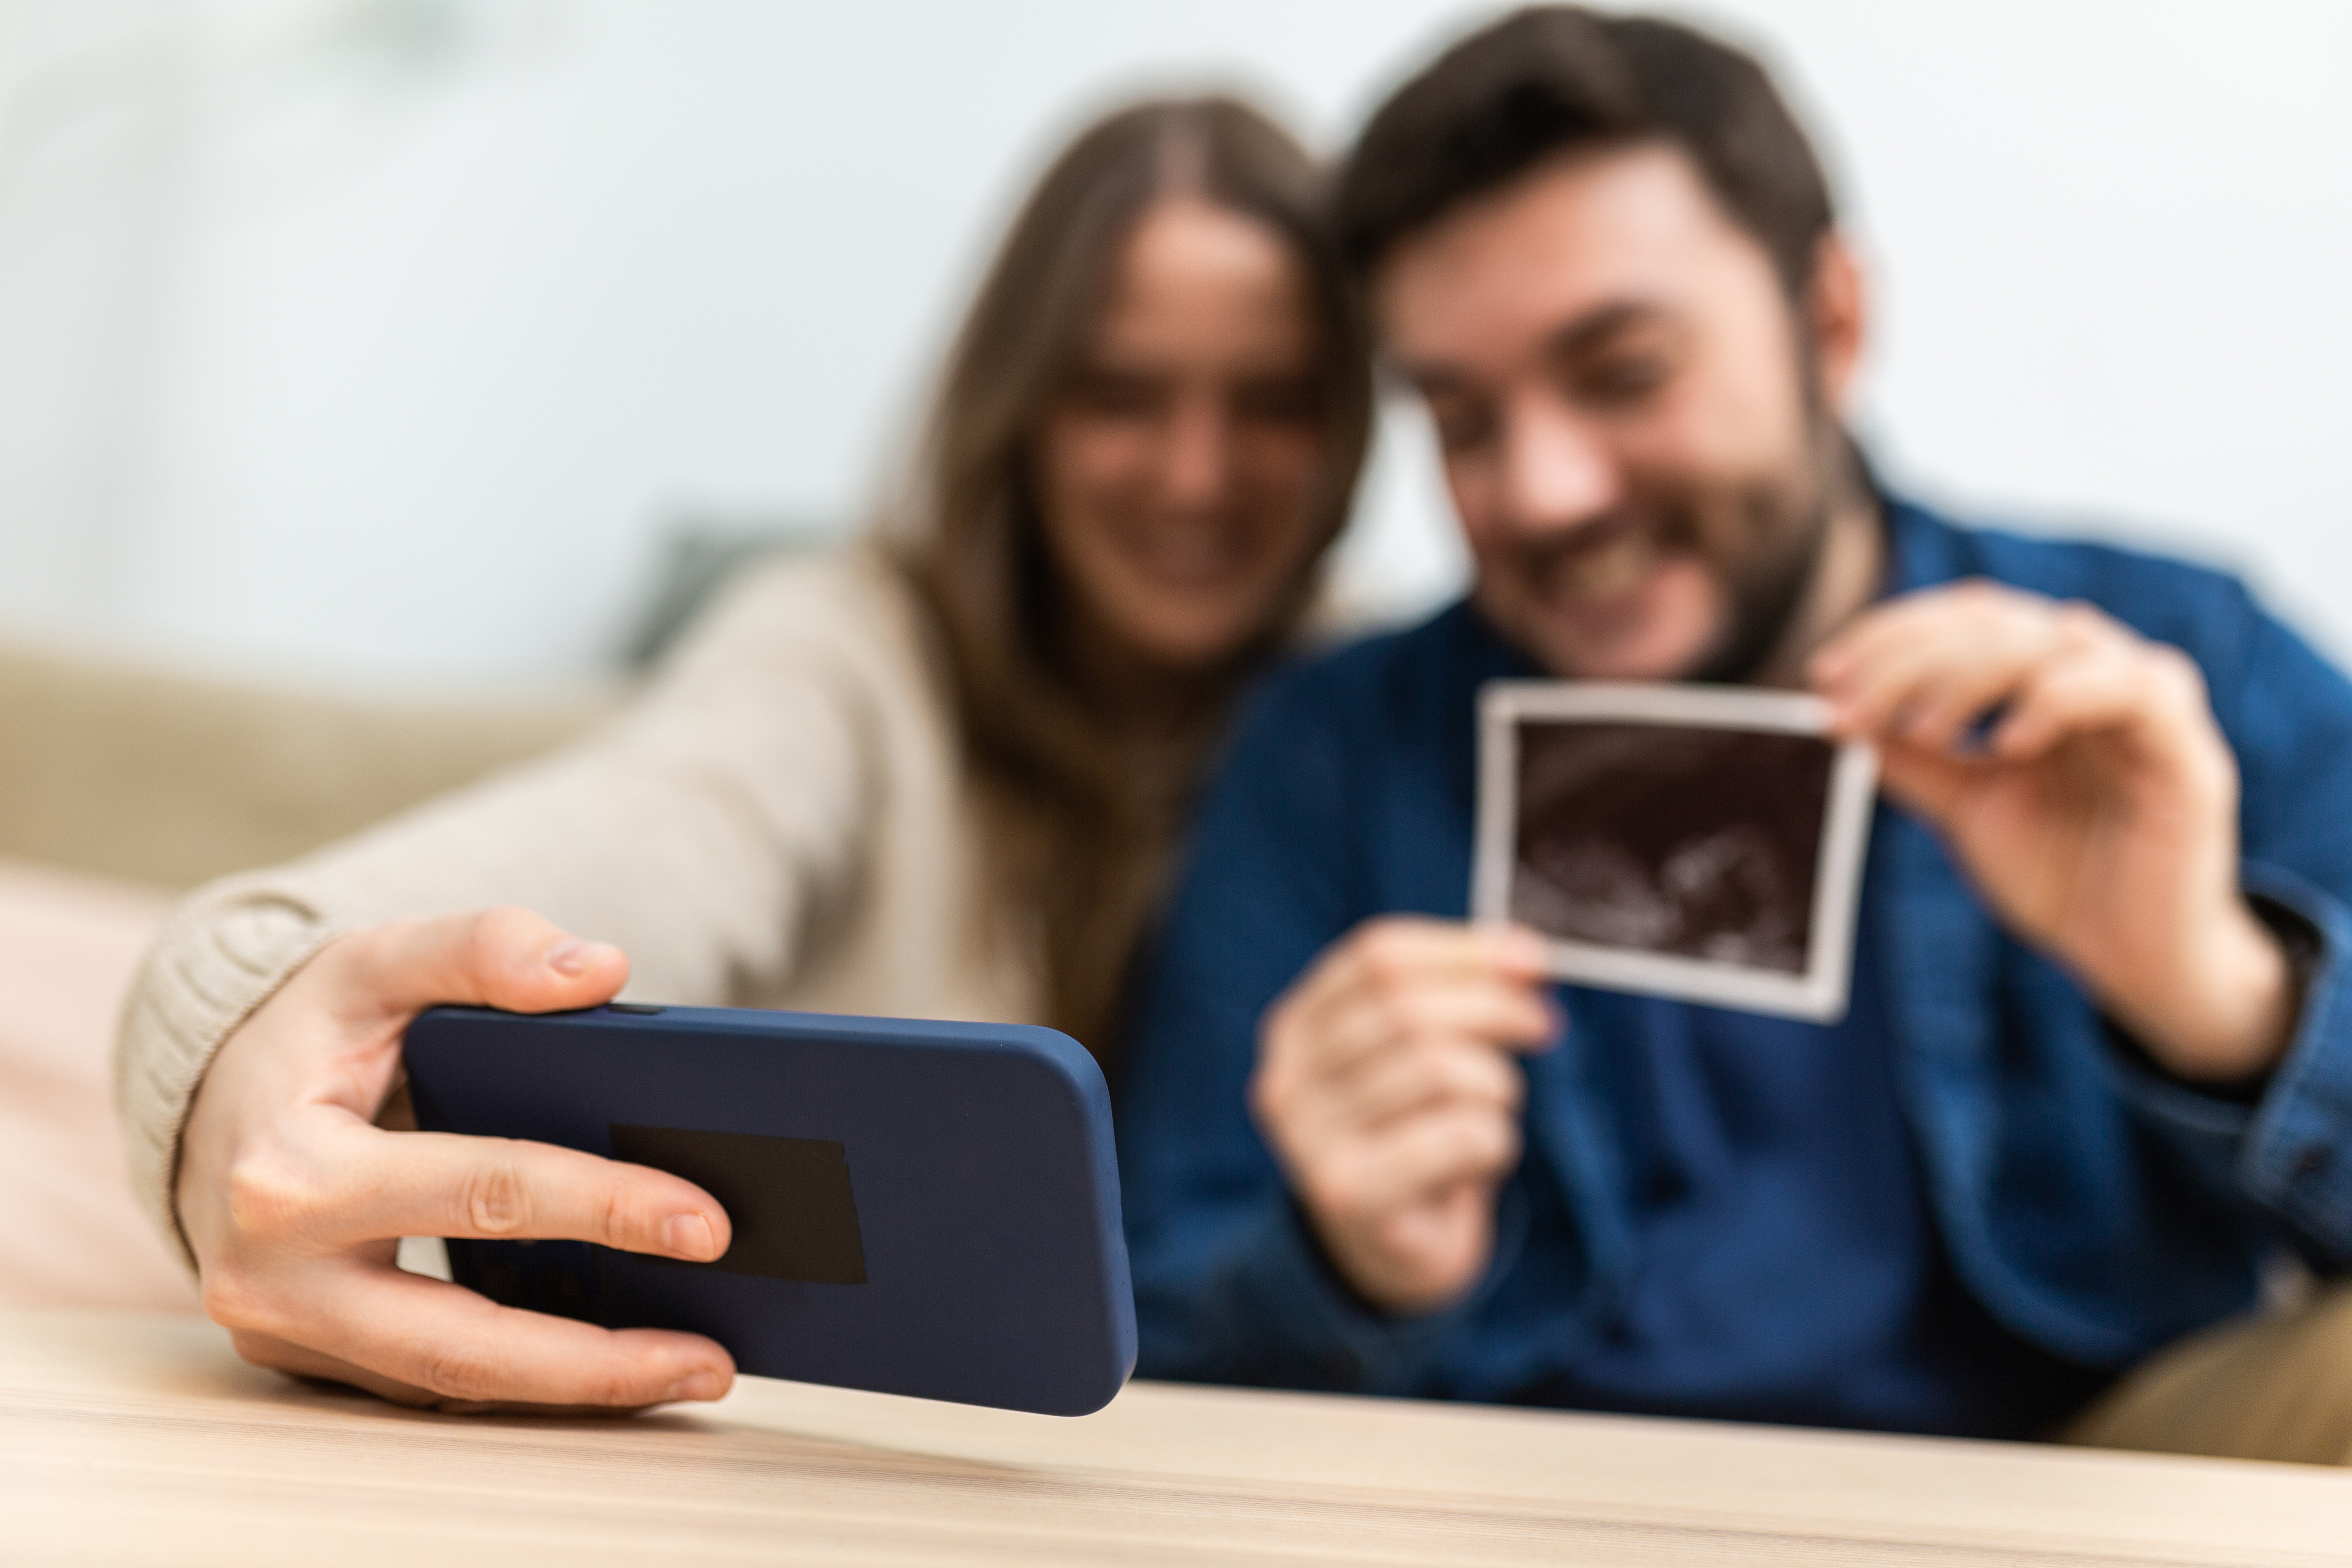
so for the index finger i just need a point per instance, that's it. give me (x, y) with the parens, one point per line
(1908, 617)
(1412, 950)
(1398, 954)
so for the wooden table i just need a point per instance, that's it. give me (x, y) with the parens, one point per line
(127, 1439)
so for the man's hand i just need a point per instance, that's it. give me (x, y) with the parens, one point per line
(2075, 771)
(294, 1201)
(1386, 1085)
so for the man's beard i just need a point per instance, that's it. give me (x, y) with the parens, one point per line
(1761, 540)
(1763, 596)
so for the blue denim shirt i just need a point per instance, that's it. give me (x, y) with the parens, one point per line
(2095, 1207)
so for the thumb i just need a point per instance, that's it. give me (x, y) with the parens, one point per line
(508, 958)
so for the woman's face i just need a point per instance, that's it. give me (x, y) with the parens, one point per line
(1182, 471)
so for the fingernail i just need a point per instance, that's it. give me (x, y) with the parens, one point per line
(575, 957)
(703, 1385)
(688, 1235)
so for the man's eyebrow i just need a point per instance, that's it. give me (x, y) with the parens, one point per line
(1581, 335)
(1597, 325)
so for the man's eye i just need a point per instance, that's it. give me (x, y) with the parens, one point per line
(1622, 379)
(1461, 426)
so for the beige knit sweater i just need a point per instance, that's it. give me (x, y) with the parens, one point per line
(780, 821)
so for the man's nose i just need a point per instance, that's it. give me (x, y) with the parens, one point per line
(1557, 472)
(1198, 463)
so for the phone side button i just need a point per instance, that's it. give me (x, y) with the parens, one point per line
(637, 1009)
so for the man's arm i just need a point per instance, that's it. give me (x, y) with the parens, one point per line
(2077, 772)
(2283, 1139)
(2081, 778)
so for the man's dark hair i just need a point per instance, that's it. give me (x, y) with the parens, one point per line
(1559, 79)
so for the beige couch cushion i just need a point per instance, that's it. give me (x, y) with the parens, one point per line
(133, 771)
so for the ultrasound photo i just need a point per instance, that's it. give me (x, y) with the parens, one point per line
(1701, 842)
(1693, 842)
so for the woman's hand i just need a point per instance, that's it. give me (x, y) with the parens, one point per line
(2075, 771)
(294, 1201)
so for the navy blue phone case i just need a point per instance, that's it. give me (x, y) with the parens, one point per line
(920, 1208)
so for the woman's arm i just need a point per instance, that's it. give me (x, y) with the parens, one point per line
(702, 834)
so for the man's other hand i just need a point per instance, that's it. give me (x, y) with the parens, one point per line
(2075, 771)
(1387, 1086)
(293, 1201)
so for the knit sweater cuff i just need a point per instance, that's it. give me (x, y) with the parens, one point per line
(223, 954)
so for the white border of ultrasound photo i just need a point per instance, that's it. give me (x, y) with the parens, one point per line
(1820, 992)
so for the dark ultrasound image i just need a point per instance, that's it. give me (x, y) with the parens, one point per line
(1700, 843)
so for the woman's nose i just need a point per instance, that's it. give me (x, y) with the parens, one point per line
(1197, 461)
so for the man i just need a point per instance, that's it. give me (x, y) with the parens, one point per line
(2096, 1085)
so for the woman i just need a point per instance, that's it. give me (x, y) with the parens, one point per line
(935, 775)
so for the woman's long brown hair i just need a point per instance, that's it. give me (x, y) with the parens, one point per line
(1080, 811)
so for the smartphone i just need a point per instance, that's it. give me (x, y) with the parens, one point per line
(920, 1208)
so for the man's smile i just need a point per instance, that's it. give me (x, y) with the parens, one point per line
(1600, 566)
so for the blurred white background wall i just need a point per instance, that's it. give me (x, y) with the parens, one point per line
(379, 340)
